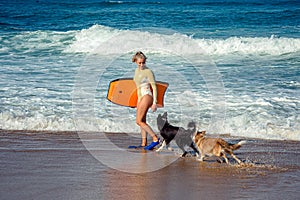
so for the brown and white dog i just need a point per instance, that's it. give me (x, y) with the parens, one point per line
(215, 147)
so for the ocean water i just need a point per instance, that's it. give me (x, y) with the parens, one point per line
(233, 65)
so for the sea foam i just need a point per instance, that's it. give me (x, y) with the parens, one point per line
(89, 40)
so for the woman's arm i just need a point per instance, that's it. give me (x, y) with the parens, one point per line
(153, 85)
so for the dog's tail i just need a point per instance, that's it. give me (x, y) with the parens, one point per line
(231, 147)
(192, 126)
(237, 145)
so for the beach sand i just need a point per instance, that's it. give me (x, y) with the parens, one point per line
(57, 165)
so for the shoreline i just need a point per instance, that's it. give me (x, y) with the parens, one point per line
(58, 132)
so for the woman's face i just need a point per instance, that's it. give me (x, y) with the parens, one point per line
(141, 62)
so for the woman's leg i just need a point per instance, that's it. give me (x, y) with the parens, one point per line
(144, 133)
(141, 112)
(144, 137)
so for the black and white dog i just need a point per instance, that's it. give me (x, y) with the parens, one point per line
(181, 136)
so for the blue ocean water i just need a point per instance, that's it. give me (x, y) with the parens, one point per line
(57, 58)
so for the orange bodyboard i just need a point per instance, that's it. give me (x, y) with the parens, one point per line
(124, 92)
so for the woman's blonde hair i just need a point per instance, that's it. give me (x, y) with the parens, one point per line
(138, 55)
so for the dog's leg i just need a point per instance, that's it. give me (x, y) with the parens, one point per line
(162, 146)
(201, 157)
(194, 148)
(184, 154)
(230, 152)
(169, 148)
(238, 160)
(198, 155)
(224, 156)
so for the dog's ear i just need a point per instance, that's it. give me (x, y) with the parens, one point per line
(165, 114)
(201, 133)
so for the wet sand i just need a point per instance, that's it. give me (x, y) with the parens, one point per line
(57, 165)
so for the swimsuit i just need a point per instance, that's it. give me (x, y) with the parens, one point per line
(144, 79)
(145, 87)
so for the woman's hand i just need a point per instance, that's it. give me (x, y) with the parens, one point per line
(153, 107)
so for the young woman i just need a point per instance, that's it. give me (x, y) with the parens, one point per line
(147, 98)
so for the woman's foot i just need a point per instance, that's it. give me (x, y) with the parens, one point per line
(152, 145)
(136, 147)
(155, 139)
